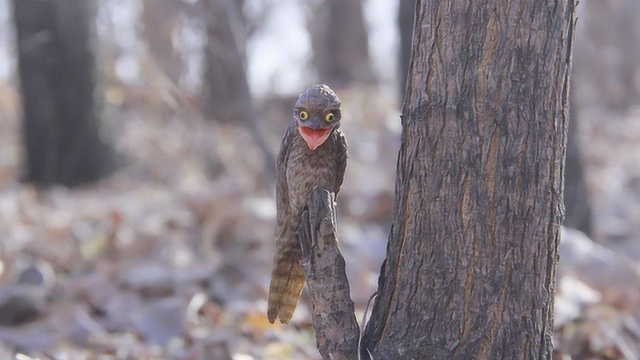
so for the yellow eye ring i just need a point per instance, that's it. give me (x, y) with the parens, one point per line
(329, 117)
(303, 115)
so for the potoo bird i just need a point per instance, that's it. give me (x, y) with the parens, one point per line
(313, 152)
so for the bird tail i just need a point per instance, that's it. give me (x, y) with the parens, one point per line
(287, 281)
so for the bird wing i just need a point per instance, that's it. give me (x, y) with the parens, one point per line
(287, 276)
(341, 160)
(282, 190)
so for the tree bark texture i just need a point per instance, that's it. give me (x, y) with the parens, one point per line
(57, 75)
(334, 320)
(472, 254)
(340, 43)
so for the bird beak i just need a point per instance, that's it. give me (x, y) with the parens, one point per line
(314, 137)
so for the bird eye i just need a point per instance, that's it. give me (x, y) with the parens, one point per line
(303, 115)
(329, 117)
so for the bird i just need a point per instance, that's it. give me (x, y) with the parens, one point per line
(313, 153)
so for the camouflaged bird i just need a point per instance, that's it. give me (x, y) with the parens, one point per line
(313, 152)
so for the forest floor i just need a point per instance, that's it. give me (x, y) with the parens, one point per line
(170, 256)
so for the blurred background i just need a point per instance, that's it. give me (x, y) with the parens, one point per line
(137, 147)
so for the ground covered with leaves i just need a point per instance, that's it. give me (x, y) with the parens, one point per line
(170, 256)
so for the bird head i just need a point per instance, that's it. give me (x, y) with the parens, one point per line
(317, 113)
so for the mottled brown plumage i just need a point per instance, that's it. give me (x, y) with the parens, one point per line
(313, 152)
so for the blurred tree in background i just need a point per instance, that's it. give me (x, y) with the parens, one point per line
(576, 193)
(161, 20)
(406, 11)
(339, 42)
(607, 58)
(226, 95)
(61, 125)
(606, 72)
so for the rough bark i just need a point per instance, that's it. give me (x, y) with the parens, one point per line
(472, 254)
(333, 310)
(340, 43)
(57, 76)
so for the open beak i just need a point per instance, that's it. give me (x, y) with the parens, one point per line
(314, 137)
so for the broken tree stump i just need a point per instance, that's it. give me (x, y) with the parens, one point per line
(334, 319)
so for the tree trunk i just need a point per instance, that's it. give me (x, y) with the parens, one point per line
(57, 76)
(340, 43)
(471, 260)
